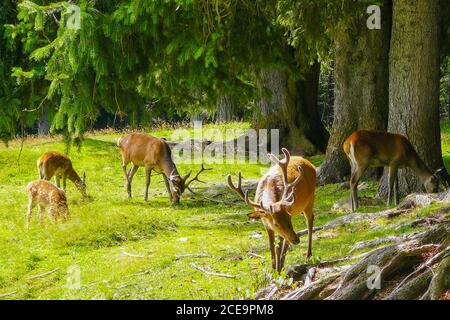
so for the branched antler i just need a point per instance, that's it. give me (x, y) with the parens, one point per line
(288, 197)
(241, 193)
(196, 176)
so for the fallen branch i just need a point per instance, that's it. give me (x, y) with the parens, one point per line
(7, 294)
(43, 274)
(193, 255)
(254, 255)
(224, 275)
(133, 255)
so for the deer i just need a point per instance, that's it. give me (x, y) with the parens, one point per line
(60, 166)
(152, 153)
(373, 148)
(47, 196)
(287, 189)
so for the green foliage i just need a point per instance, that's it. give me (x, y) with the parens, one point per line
(182, 53)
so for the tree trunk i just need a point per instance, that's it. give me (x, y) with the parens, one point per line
(414, 84)
(226, 108)
(361, 90)
(291, 106)
(43, 124)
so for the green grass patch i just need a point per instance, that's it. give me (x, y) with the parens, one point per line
(127, 249)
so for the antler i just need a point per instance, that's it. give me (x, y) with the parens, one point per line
(196, 176)
(288, 197)
(241, 193)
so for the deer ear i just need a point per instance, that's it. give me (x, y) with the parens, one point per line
(187, 176)
(256, 215)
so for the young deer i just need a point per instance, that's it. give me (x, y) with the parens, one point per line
(56, 164)
(143, 150)
(47, 196)
(371, 148)
(287, 189)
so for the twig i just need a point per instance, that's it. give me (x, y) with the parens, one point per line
(134, 255)
(7, 294)
(43, 274)
(193, 255)
(254, 255)
(212, 273)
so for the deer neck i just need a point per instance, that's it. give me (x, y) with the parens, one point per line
(168, 167)
(73, 176)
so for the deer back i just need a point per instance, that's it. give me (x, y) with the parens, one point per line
(51, 163)
(144, 150)
(380, 148)
(45, 193)
(270, 188)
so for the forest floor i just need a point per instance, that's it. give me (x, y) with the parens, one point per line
(122, 248)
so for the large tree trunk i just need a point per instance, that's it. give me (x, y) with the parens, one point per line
(43, 124)
(414, 83)
(226, 108)
(361, 91)
(291, 106)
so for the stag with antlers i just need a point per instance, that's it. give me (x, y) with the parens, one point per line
(287, 189)
(143, 150)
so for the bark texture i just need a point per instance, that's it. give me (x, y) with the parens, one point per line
(43, 124)
(226, 108)
(414, 84)
(292, 107)
(361, 92)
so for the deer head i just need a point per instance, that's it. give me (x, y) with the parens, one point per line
(179, 184)
(277, 215)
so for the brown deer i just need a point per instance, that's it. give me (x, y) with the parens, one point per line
(372, 148)
(287, 189)
(47, 196)
(58, 165)
(143, 150)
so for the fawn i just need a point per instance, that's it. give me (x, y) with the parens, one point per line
(47, 196)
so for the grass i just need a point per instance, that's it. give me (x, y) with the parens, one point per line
(127, 249)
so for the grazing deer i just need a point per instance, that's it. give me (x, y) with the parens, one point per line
(287, 189)
(372, 148)
(58, 165)
(47, 196)
(143, 150)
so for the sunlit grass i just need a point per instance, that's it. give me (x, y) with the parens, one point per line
(129, 249)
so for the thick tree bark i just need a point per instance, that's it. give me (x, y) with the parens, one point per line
(291, 106)
(361, 91)
(226, 108)
(43, 124)
(414, 84)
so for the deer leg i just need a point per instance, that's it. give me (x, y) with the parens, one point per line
(271, 235)
(396, 188)
(53, 211)
(57, 181)
(64, 179)
(391, 182)
(30, 207)
(166, 181)
(127, 182)
(148, 175)
(278, 254)
(309, 215)
(356, 175)
(130, 176)
(284, 249)
(41, 212)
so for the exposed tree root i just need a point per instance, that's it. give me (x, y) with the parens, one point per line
(415, 267)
